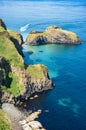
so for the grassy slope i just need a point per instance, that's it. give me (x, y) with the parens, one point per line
(37, 72)
(48, 32)
(4, 121)
(9, 52)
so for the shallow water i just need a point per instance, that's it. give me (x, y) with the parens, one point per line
(64, 107)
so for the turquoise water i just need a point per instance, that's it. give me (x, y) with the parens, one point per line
(64, 107)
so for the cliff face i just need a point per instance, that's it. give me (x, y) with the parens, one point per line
(16, 80)
(34, 79)
(2, 24)
(52, 34)
(22, 83)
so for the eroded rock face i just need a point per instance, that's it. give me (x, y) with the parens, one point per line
(34, 79)
(38, 79)
(17, 39)
(2, 24)
(52, 34)
(4, 33)
(18, 81)
(16, 36)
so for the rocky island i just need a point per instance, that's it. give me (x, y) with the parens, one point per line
(52, 35)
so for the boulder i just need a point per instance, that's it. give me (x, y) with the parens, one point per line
(30, 52)
(52, 35)
(35, 125)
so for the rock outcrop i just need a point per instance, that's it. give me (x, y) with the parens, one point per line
(52, 35)
(19, 120)
(11, 36)
(34, 79)
(2, 24)
(29, 123)
(16, 81)
(17, 39)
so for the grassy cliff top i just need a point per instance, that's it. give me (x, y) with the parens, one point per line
(16, 36)
(4, 121)
(8, 49)
(37, 71)
(2, 29)
(52, 34)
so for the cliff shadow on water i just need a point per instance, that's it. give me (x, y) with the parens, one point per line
(36, 100)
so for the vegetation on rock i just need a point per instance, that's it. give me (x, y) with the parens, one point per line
(9, 81)
(16, 36)
(37, 71)
(52, 34)
(8, 50)
(4, 121)
(15, 80)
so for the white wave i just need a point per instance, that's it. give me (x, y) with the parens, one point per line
(24, 28)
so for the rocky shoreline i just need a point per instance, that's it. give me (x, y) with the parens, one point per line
(19, 81)
(27, 79)
(52, 35)
(21, 121)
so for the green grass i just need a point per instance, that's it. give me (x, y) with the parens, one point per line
(8, 50)
(4, 121)
(37, 71)
(12, 85)
(15, 87)
(16, 35)
(1, 29)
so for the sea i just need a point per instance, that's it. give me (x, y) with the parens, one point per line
(63, 107)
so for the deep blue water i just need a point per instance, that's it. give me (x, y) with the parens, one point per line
(64, 107)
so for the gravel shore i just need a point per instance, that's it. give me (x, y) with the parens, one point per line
(21, 122)
(14, 114)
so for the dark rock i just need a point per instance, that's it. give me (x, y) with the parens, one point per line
(2, 24)
(34, 32)
(17, 39)
(34, 79)
(30, 52)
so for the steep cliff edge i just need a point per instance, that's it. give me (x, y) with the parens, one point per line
(2, 24)
(52, 35)
(15, 80)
